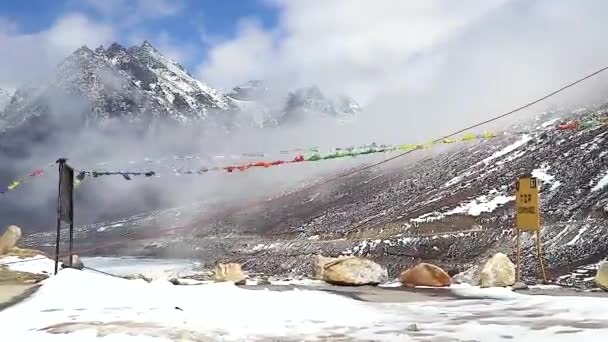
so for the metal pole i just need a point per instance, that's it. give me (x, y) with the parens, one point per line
(58, 236)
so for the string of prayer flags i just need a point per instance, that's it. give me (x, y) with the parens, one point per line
(18, 182)
(310, 154)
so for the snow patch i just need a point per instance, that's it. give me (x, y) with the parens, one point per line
(601, 183)
(477, 206)
(38, 264)
(525, 138)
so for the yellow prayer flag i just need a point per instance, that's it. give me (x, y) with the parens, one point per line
(468, 137)
(14, 185)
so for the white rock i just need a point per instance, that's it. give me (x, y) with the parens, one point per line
(9, 239)
(499, 271)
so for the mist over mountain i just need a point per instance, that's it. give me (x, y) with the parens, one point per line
(113, 106)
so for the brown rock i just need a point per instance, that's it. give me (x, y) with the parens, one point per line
(425, 274)
(319, 264)
(229, 272)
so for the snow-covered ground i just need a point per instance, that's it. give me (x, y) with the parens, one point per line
(85, 306)
(38, 264)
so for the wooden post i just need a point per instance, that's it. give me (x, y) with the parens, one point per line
(540, 256)
(518, 255)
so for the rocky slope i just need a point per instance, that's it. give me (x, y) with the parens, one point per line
(5, 97)
(452, 208)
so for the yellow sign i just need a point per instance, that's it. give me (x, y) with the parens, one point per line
(527, 204)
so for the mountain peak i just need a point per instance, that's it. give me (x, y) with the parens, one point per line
(83, 51)
(147, 46)
(115, 47)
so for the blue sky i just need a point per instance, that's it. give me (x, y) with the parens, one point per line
(186, 23)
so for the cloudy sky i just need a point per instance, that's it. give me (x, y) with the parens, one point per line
(412, 61)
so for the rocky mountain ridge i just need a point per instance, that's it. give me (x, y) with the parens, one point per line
(276, 107)
(140, 85)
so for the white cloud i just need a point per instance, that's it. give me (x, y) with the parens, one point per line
(427, 66)
(27, 57)
(247, 57)
(75, 30)
(134, 10)
(362, 42)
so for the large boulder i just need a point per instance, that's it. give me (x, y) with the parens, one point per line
(601, 278)
(9, 239)
(229, 272)
(425, 274)
(472, 276)
(352, 271)
(498, 271)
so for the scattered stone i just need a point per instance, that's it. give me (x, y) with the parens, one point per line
(229, 272)
(601, 278)
(264, 281)
(76, 263)
(412, 327)
(138, 276)
(425, 274)
(519, 286)
(174, 281)
(9, 239)
(472, 276)
(349, 271)
(499, 271)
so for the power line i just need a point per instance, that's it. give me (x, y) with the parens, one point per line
(467, 128)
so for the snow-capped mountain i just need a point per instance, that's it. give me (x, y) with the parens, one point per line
(138, 84)
(274, 107)
(5, 97)
(312, 100)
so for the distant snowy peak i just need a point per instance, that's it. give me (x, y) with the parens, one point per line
(175, 81)
(312, 99)
(278, 107)
(253, 90)
(5, 97)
